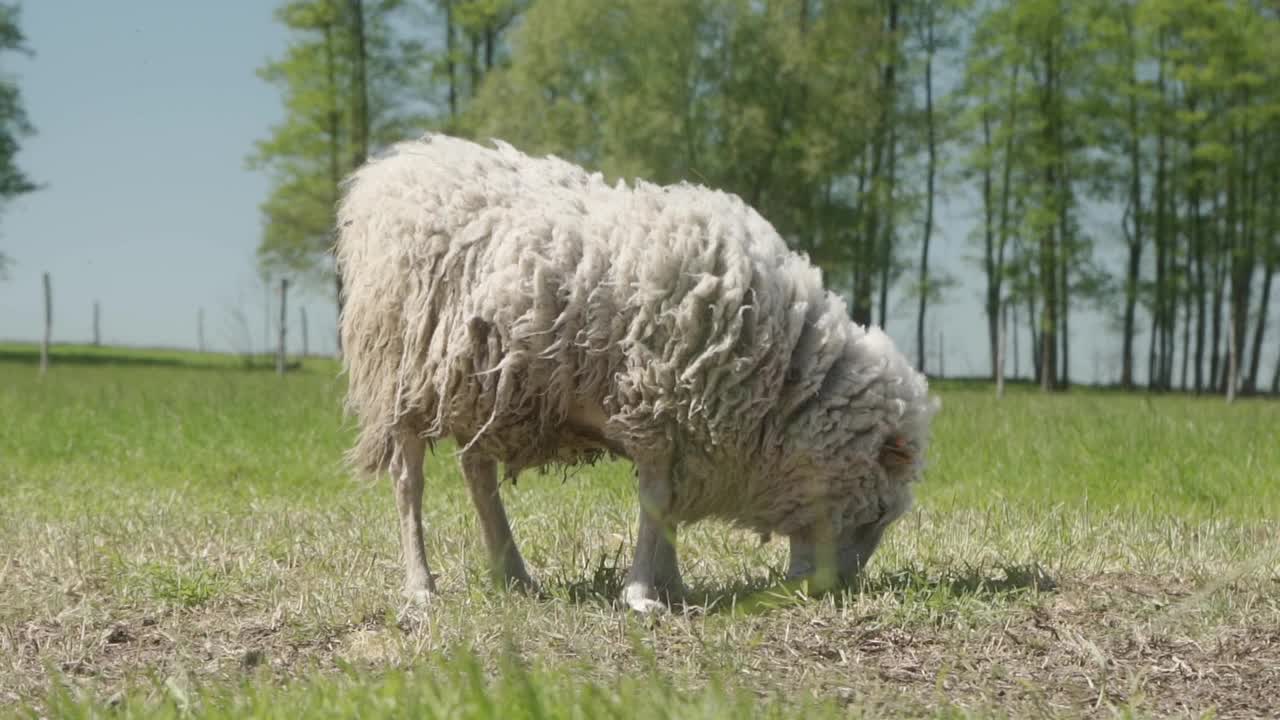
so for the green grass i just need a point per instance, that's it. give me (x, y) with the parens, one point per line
(177, 536)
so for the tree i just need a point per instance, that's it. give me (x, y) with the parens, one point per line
(346, 87)
(769, 100)
(932, 22)
(14, 124)
(1041, 40)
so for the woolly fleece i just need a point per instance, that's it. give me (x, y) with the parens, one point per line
(490, 296)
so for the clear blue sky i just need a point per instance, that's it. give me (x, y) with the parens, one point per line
(146, 110)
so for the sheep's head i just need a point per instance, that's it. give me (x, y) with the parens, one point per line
(836, 548)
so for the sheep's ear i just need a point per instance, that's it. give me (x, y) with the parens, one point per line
(897, 452)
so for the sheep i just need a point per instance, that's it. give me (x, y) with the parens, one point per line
(539, 316)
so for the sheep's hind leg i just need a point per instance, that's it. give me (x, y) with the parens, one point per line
(655, 572)
(505, 562)
(406, 469)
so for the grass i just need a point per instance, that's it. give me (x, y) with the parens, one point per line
(177, 537)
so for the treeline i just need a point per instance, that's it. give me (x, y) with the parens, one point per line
(1122, 155)
(14, 123)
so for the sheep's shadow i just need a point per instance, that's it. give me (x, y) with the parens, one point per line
(772, 592)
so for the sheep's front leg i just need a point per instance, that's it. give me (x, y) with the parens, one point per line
(655, 572)
(406, 469)
(829, 560)
(813, 554)
(505, 562)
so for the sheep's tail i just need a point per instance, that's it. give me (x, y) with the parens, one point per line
(372, 304)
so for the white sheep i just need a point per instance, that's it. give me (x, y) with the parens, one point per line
(539, 316)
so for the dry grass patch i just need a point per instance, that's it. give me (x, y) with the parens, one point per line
(174, 541)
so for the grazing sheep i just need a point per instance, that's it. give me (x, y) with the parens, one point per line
(539, 316)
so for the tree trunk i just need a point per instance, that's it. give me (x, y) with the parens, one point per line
(359, 88)
(360, 111)
(1171, 298)
(334, 132)
(995, 266)
(860, 255)
(1133, 276)
(490, 42)
(1245, 256)
(876, 208)
(930, 174)
(1048, 250)
(1219, 277)
(474, 64)
(450, 62)
(988, 250)
(1268, 272)
(1064, 264)
(1160, 304)
(1197, 285)
(885, 256)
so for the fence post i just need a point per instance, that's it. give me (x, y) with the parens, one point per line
(1231, 351)
(48, 325)
(942, 363)
(200, 329)
(1002, 334)
(97, 334)
(280, 351)
(1016, 370)
(302, 311)
(266, 316)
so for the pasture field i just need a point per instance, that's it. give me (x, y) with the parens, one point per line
(178, 537)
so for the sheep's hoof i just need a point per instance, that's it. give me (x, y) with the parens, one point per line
(419, 596)
(815, 583)
(522, 584)
(642, 599)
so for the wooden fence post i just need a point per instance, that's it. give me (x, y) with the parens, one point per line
(1231, 351)
(97, 334)
(942, 367)
(1016, 370)
(200, 329)
(48, 325)
(1002, 333)
(266, 316)
(302, 311)
(280, 350)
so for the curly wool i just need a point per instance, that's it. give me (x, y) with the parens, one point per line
(489, 294)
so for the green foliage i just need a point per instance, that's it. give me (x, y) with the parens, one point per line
(1154, 122)
(760, 99)
(309, 153)
(14, 123)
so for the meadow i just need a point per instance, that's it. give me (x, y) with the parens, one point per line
(178, 537)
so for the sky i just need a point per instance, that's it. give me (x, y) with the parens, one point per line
(145, 112)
